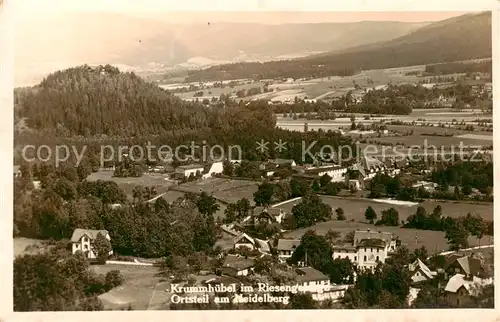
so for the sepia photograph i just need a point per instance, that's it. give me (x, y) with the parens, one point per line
(251, 160)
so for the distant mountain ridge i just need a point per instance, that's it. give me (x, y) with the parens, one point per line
(460, 38)
(139, 42)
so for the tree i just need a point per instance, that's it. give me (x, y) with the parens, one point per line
(390, 217)
(377, 190)
(114, 278)
(264, 194)
(340, 214)
(101, 247)
(457, 236)
(311, 210)
(332, 236)
(370, 214)
(324, 180)
(302, 301)
(207, 205)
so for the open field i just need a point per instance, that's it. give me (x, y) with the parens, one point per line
(228, 190)
(437, 141)
(137, 289)
(25, 246)
(354, 208)
(434, 241)
(160, 181)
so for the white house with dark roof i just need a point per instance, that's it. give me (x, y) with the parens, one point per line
(368, 248)
(312, 279)
(82, 240)
(286, 247)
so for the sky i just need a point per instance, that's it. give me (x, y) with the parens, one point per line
(305, 12)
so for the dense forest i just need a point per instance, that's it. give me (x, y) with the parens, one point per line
(120, 108)
(453, 68)
(462, 38)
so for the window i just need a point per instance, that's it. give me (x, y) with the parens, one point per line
(365, 250)
(377, 259)
(86, 247)
(77, 245)
(355, 258)
(84, 239)
(371, 250)
(378, 250)
(364, 258)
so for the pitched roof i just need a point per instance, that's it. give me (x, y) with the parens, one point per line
(191, 166)
(91, 233)
(238, 262)
(371, 242)
(470, 265)
(263, 245)
(418, 264)
(458, 280)
(243, 235)
(288, 244)
(360, 235)
(309, 274)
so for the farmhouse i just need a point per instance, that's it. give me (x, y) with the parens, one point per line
(237, 266)
(286, 247)
(314, 280)
(82, 240)
(337, 173)
(368, 248)
(189, 170)
(420, 272)
(461, 289)
(465, 265)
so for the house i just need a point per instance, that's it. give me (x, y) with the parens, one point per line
(460, 289)
(337, 173)
(215, 168)
(233, 239)
(369, 166)
(312, 279)
(465, 265)
(286, 247)
(269, 216)
(243, 240)
(428, 186)
(237, 266)
(82, 240)
(284, 162)
(368, 248)
(189, 170)
(420, 272)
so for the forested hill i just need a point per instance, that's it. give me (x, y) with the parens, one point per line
(460, 38)
(91, 101)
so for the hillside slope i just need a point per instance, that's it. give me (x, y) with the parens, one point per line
(460, 38)
(92, 101)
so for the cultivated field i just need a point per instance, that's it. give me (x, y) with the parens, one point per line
(137, 289)
(159, 181)
(227, 190)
